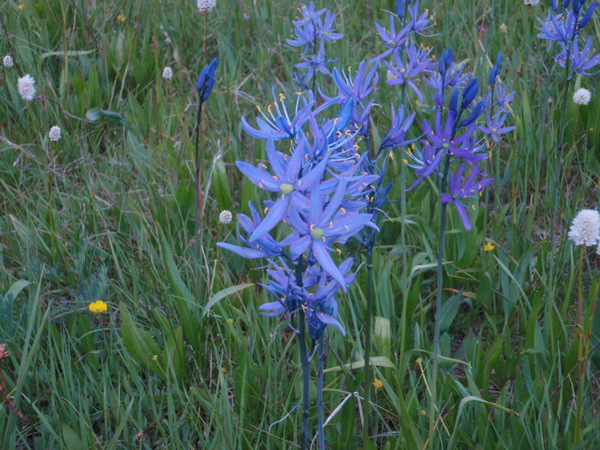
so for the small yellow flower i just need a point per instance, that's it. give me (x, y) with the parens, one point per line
(98, 307)
(230, 321)
(377, 383)
(488, 247)
(121, 17)
(155, 358)
(21, 7)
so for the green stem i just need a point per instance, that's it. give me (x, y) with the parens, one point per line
(367, 379)
(557, 172)
(580, 361)
(197, 164)
(438, 303)
(304, 362)
(320, 426)
(405, 280)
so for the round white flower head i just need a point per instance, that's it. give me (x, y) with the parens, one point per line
(167, 73)
(225, 217)
(54, 134)
(586, 228)
(531, 2)
(26, 87)
(582, 96)
(8, 61)
(206, 6)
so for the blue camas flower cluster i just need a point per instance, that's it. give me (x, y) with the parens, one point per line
(312, 30)
(452, 140)
(564, 25)
(318, 198)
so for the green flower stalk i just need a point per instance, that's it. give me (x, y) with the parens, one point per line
(584, 232)
(205, 85)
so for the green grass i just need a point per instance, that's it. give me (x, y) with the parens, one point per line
(108, 213)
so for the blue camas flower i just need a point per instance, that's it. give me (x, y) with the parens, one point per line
(581, 61)
(312, 65)
(358, 88)
(495, 127)
(316, 297)
(396, 41)
(206, 80)
(396, 137)
(312, 27)
(263, 247)
(289, 178)
(461, 188)
(325, 223)
(418, 63)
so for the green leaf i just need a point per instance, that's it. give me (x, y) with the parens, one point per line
(68, 53)
(380, 361)
(16, 288)
(95, 114)
(463, 402)
(172, 355)
(224, 293)
(449, 311)
(221, 186)
(140, 343)
(70, 437)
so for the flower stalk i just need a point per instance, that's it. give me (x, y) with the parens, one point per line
(322, 347)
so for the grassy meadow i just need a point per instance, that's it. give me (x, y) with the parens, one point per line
(182, 357)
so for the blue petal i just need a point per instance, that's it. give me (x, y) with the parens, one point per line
(276, 159)
(299, 246)
(258, 176)
(463, 215)
(330, 320)
(273, 217)
(322, 254)
(315, 174)
(249, 253)
(272, 309)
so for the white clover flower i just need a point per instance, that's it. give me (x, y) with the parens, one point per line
(531, 2)
(26, 87)
(586, 228)
(225, 217)
(206, 6)
(582, 96)
(8, 61)
(55, 133)
(167, 73)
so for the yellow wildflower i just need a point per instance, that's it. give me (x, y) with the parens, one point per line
(98, 307)
(377, 383)
(121, 17)
(488, 247)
